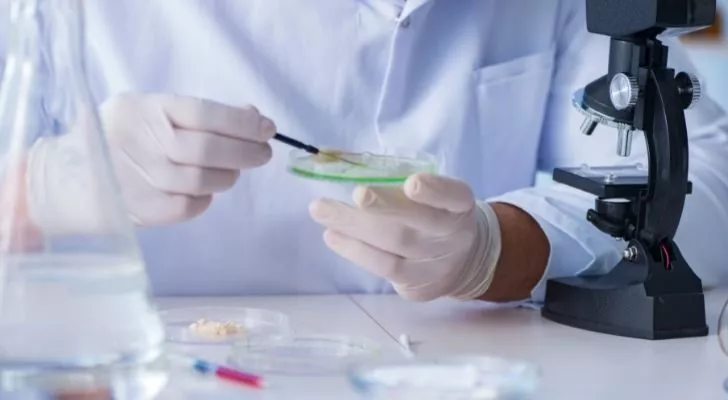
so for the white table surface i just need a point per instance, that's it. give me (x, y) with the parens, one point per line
(576, 364)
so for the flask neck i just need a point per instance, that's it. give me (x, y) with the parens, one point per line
(46, 37)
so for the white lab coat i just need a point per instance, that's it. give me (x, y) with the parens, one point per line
(483, 84)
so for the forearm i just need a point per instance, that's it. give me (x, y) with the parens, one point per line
(17, 232)
(523, 258)
(12, 192)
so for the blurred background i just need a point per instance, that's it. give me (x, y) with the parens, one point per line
(709, 50)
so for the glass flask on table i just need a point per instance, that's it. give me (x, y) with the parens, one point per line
(75, 310)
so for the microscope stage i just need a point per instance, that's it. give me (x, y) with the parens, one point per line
(609, 182)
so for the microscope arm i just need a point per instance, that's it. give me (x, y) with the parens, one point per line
(667, 156)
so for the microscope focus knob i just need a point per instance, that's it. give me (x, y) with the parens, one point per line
(624, 91)
(690, 88)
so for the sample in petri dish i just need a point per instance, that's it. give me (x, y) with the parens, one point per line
(363, 168)
(458, 378)
(222, 325)
(303, 354)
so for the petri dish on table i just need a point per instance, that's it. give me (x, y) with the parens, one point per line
(391, 167)
(723, 328)
(303, 354)
(222, 325)
(457, 378)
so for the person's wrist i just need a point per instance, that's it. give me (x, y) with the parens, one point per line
(479, 269)
(525, 250)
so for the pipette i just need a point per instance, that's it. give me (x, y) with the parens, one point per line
(313, 150)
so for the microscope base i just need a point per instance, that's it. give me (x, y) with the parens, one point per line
(622, 307)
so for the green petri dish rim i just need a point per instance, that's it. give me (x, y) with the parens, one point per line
(392, 180)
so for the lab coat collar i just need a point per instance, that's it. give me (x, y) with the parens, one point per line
(411, 6)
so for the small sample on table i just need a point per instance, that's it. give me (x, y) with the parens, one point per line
(223, 325)
(215, 330)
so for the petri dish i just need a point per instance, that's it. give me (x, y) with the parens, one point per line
(723, 328)
(723, 336)
(391, 167)
(246, 323)
(303, 354)
(457, 378)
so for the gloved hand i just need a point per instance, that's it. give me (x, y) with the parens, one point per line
(430, 239)
(171, 154)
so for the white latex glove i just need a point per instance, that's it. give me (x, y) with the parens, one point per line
(171, 154)
(429, 239)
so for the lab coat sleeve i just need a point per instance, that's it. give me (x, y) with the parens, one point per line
(576, 246)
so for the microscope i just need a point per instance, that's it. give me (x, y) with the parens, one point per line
(652, 293)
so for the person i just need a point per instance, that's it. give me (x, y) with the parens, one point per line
(191, 94)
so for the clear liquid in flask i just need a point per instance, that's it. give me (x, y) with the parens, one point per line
(77, 311)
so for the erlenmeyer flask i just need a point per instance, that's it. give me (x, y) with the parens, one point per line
(73, 286)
